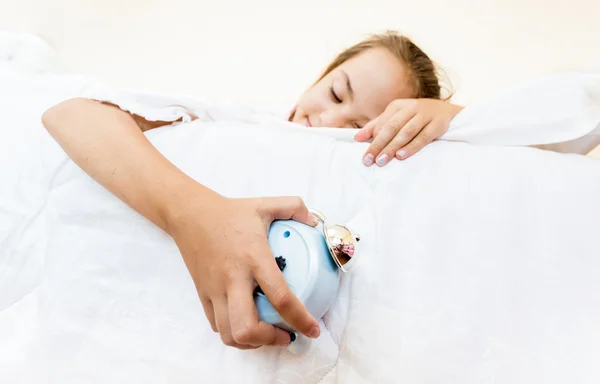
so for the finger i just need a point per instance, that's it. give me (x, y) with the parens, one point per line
(366, 132)
(246, 328)
(424, 137)
(410, 130)
(408, 106)
(281, 297)
(392, 109)
(222, 321)
(285, 208)
(209, 312)
(389, 130)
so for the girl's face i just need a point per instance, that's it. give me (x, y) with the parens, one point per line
(355, 92)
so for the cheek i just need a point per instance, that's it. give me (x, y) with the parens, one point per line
(311, 102)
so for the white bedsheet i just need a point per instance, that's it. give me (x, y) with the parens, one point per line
(479, 264)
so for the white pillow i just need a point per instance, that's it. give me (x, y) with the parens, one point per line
(28, 52)
(551, 111)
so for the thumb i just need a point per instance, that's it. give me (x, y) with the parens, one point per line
(285, 208)
(366, 132)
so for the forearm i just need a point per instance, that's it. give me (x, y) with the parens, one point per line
(109, 145)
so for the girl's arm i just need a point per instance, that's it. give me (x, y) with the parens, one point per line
(109, 145)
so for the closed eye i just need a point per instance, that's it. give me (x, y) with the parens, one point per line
(335, 96)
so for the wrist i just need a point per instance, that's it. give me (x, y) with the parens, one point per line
(186, 197)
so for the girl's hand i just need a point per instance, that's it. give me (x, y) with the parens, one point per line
(224, 245)
(406, 126)
(223, 241)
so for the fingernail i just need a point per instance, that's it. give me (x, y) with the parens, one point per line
(368, 160)
(292, 337)
(314, 332)
(382, 159)
(313, 219)
(402, 153)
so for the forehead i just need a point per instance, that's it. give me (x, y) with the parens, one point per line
(377, 77)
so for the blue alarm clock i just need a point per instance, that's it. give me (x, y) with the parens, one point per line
(311, 259)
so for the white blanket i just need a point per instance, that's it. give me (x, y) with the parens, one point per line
(478, 264)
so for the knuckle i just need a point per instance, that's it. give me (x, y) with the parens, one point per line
(282, 300)
(418, 143)
(388, 127)
(243, 267)
(376, 147)
(401, 138)
(252, 263)
(233, 271)
(411, 129)
(393, 147)
(260, 204)
(297, 202)
(426, 138)
(244, 336)
(229, 276)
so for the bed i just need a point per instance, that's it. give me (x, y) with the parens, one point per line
(479, 256)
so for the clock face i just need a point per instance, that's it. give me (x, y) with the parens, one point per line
(288, 239)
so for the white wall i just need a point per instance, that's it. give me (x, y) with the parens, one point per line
(268, 51)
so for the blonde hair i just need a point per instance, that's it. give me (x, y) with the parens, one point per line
(424, 73)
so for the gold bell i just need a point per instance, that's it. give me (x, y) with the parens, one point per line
(341, 242)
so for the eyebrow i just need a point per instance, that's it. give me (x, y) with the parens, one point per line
(350, 90)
